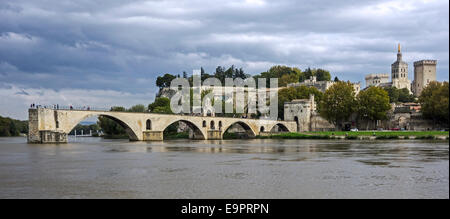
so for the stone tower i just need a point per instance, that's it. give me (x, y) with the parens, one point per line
(424, 73)
(300, 111)
(399, 72)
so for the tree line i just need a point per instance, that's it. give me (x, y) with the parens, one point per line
(12, 127)
(285, 75)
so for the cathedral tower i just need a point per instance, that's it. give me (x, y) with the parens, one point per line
(399, 72)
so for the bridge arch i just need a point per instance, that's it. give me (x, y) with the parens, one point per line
(248, 129)
(280, 126)
(131, 131)
(197, 131)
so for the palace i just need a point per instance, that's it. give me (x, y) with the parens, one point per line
(424, 73)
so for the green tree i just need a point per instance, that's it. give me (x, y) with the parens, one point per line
(306, 75)
(12, 127)
(373, 104)
(434, 100)
(139, 108)
(336, 79)
(284, 74)
(109, 126)
(404, 96)
(287, 79)
(399, 95)
(323, 75)
(165, 80)
(338, 103)
(161, 105)
(393, 94)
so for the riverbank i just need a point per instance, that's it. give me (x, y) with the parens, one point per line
(363, 135)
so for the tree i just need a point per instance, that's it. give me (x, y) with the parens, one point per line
(287, 79)
(161, 105)
(399, 95)
(373, 104)
(306, 75)
(285, 74)
(323, 75)
(184, 74)
(165, 80)
(404, 96)
(137, 108)
(393, 94)
(336, 79)
(111, 127)
(12, 127)
(434, 100)
(338, 103)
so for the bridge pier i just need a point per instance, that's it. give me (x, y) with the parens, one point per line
(39, 132)
(214, 135)
(153, 135)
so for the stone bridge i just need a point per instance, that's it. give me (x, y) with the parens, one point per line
(53, 126)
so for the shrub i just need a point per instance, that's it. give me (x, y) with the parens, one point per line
(387, 137)
(351, 137)
(426, 137)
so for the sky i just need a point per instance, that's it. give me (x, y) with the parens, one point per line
(103, 53)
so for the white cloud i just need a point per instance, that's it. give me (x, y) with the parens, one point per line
(14, 100)
(122, 46)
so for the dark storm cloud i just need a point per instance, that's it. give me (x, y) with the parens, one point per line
(125, 45)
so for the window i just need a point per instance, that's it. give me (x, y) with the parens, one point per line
(211, 125)
(261, 129)
(148, 125)
(204, 123)
(220, 125)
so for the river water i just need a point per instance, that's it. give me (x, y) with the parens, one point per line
(259, 168)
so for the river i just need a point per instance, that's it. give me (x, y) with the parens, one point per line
(259, 168)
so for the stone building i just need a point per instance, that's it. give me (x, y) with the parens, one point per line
(376, 79)
(304, 113)
(399, 72)
(424, 73)
(321, 85)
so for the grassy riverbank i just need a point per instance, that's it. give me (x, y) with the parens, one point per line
(362, 135)
(381, 133)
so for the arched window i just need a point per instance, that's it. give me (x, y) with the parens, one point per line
(220, 125)
(212, 125)
(261, 129)
(204, 123)
(148, 125)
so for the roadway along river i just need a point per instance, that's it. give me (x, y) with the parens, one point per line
(97, 168)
